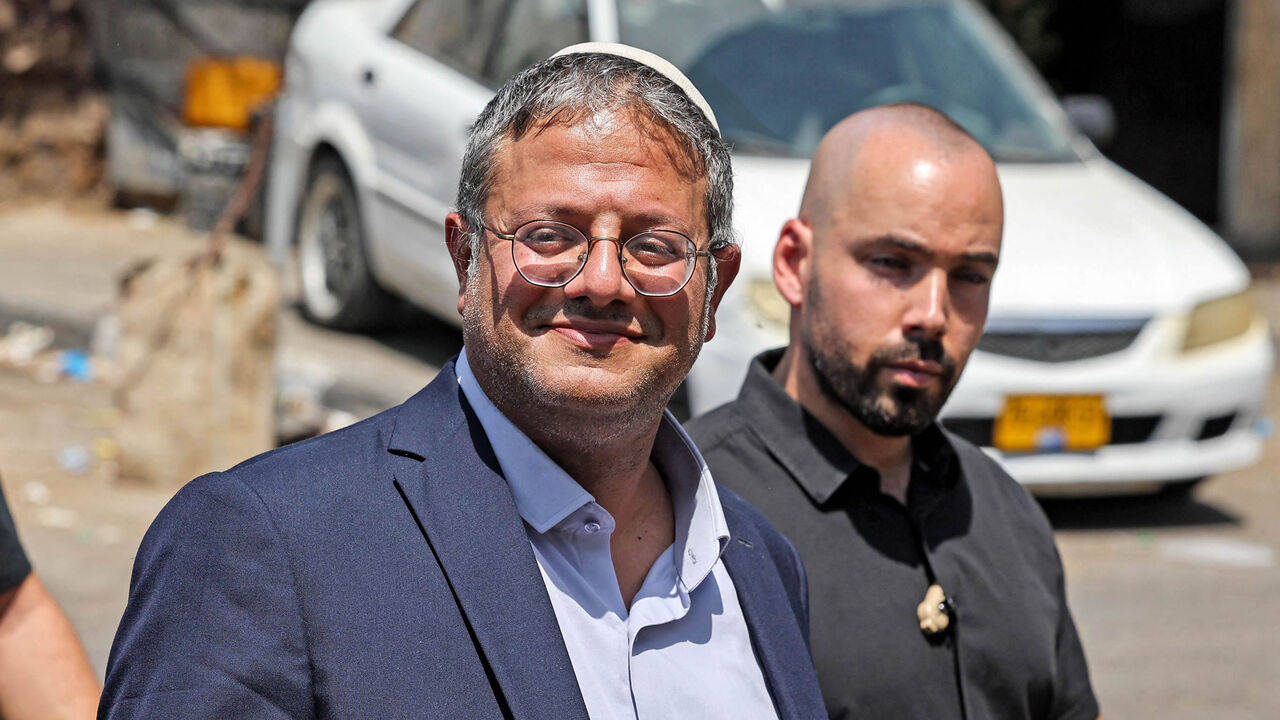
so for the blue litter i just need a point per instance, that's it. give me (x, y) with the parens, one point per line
(76, 364)
(74, 459)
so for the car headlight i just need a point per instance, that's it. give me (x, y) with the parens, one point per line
(768, 304)
(1224, 318)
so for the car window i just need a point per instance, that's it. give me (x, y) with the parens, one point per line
(533, 30)
(458, 33)
(779, 75)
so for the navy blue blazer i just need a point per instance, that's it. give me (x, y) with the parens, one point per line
(383, 571)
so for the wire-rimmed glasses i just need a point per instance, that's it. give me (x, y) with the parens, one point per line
(657, 263)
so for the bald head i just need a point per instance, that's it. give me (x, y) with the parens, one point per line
(873, 141)
(888, 269)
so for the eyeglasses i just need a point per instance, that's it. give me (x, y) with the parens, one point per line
(657, 263)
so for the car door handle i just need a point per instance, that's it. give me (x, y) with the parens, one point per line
(368, 76)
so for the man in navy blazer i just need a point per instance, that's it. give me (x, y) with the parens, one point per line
(531, 535)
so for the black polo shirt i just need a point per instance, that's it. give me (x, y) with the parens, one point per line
(1012, 650)
(14, 567)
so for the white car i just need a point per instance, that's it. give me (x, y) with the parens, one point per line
(1122, 349)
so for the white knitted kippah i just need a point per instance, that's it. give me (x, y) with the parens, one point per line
(644, 57)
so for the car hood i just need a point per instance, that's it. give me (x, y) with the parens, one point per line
(1081, 240)
(1093, 240)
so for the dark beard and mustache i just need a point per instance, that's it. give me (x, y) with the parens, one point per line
(892, 410)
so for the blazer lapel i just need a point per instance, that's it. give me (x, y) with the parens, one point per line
(778, 639)
(449, 477)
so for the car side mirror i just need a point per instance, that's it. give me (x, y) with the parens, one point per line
(1093, 116)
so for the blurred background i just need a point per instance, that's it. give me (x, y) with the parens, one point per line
(220, 226)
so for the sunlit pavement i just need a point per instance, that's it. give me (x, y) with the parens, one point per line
(1175, 599)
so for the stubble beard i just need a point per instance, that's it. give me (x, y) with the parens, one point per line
(590, 415)
(890, 410)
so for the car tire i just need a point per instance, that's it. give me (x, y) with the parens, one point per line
(336, 286)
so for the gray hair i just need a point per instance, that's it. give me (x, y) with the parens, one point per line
(568, 87)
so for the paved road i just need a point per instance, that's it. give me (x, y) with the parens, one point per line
(1175, 600)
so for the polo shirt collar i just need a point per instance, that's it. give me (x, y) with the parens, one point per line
(814, 457)
(545, 494)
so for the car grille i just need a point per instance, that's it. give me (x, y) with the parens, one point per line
(1129, 430)
(1057, 341)
(1216, 427)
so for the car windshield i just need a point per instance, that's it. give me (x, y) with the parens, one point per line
(780, 74)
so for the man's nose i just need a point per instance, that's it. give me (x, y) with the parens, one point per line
(601, 279)
(929, 306)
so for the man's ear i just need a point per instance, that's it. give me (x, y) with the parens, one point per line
(726, 271)
(457, 237)
(793, 260)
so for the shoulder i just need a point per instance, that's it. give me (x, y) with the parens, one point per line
(998, 494)
(305, 474)
(309, 479)
(985, 475)
(713, 430)
(715, 425)
(320, 457)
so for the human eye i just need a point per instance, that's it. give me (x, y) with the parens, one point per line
(972, 277)
(657, 248)
(889, 263)
(548, 238)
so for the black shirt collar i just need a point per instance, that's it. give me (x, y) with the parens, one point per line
(813, 456)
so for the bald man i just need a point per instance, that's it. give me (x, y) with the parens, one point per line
(935, 586)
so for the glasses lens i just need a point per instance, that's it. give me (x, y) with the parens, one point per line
(658, 262)
(548, 253)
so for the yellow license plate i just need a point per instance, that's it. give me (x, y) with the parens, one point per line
(1052, 423)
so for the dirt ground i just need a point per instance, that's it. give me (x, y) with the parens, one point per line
(80, 527)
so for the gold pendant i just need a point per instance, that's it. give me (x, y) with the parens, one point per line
(932, 613)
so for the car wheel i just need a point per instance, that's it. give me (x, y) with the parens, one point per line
(337, 288)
